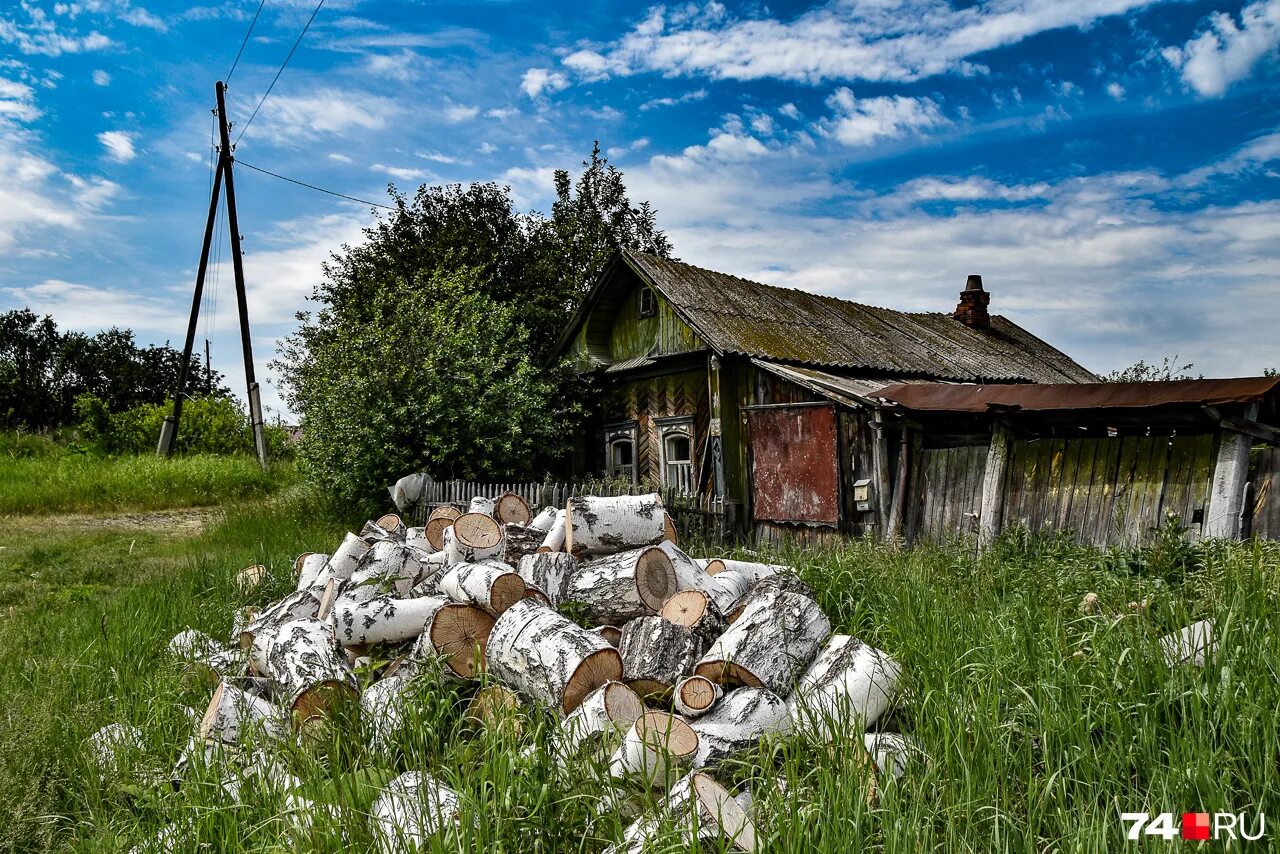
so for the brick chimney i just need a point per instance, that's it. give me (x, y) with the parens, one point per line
(972, 310)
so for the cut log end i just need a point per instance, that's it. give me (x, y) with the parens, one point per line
(211, 713)
(685, 608)
(508, 589)
(697, 693)
(718, 803)
(666, 733)
(491, 704)
(445, 511)
(460, 633)
(715, 567)
(650, 689)
(621, 702)
(250, 577)
(727, 674)
(612, 634)
(668, 528)
(655, 578)
(510, 507)
(601, 666)
(321, 700)
(434, 531)
(390, 522)
(477, 530)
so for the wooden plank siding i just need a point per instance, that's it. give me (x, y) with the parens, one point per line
(666, 396)
(951, 492)
(1265, 507)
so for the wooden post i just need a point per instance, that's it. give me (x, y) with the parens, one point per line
(898, 509)
(880, 464)
(1230, 474)
(992, 508)
(715, 444)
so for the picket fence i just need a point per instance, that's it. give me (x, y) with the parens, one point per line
(698, 518)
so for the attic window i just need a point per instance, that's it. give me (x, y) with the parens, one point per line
(648, 302)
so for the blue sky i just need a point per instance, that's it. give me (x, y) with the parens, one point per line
(1108, 166)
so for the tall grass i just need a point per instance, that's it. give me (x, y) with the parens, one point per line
(1041, 723)
(84, 483)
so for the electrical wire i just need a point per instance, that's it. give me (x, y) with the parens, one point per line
(245, 41)
(313, 186)
(278, 73)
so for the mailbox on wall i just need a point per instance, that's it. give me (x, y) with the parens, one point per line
(862, 495)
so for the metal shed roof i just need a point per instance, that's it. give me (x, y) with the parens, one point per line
(945, 397)
(739, 316)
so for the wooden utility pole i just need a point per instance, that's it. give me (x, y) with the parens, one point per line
(224, 174)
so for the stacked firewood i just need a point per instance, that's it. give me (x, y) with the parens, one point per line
(660, 664)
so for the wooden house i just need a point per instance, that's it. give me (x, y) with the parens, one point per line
(767, 397)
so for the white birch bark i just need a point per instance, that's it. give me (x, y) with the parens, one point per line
(620, 587)
(701, 809)
(411, 809)
(550, 572)
(383, 709)
(382, 619)
(778, 583)
(554, 540)
(758, 571)
(110, 746)
(193, 645)
(1191, 645)
(613, 707)
(728, 588)
(473, 537)
(607, 525)
(655, 744)
(389, 565)
(309, 566)
(694, 696)
(545, 519)
(518, 541)
(308, 669)
(891, 752)
(455, 635)
(434, 566)
(481, 505)
(689, 576)
(655, 654)
(696, 611)
(738, 723)
(299, 605)
(491, 585)
(769, 646)
(233, 714)
(548, 658)
(847, 688)
(343, 561)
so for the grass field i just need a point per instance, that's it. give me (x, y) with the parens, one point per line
(1042, 724)
(82, 483)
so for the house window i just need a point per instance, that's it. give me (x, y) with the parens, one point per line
(648, 302)
(620, 451)
(677, 453)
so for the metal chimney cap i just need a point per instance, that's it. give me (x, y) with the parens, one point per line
(973, 283)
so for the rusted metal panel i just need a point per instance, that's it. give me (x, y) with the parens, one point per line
(795, 465)
(1046, 397)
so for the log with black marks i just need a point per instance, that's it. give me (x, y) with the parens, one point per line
(847, 688)
(383, 708)
(554, 540)
(696, 611)
(550, 572)
(547, 657)
(520, 541)
(758, 571)
(299, 605)
(233, 714)
(606, 525)
(613, 707)
(777, 583)
(382, 619)
(390, 565)
(308, 567)
(689, 575)
(656, 653)
(737, 724)
(412, 809)
(473, 537)
(343, 561)
(491, 585)
(545, 519)
(456, 635)
(618, 588)
(702, 810)
(308, 669)
(695, 695)
(655, 744)
(769, 646)
(481, 505)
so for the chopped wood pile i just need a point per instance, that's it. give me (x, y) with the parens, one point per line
(659, 664)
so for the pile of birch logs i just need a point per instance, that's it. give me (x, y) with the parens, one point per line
(659, 664)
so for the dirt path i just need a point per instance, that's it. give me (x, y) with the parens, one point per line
(184, 522)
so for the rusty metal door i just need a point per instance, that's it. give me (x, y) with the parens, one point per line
(795, 464)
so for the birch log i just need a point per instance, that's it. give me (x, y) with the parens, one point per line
(455, 634)
(393, 525)
(703, 810)
(778, 583)
(601, 526)
(193, 645)
(1191, 645)
(689, 575)
(545, 519)
(519, 541)
(696, 695)
(248, 579)
(492, 704)
(510, 507)
(473, 537)
(623, 586)
(308, 568)
(655, 744)
(435, 530)
(433, 568)
(613, 707)
(389, 565)
(233, 714)
(480, 504)
(738, 723)
(550, 572)
(491, 585)
(299, 605)
(846, 688)
(549, 658)
(696, 611)
(445, 511)
(655, 654)
(109, 746)
(554, 540)
(343, 561)
(891, 752)
(382, 619)
(383, 708)
(757, 571)
(728, 588)
(308, 669)
(771, 644)
(612, 634)
(411, 809)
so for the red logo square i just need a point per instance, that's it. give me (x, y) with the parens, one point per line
(1195, 825)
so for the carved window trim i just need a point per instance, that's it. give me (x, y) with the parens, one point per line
(678, 474)
(616, 434)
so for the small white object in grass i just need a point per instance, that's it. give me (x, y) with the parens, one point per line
(411, 809)
(109, 745)
(1191, 645)
(891, 752)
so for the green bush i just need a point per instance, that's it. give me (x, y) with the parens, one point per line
(210, 425)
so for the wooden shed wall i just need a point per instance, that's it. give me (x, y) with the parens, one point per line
(1265, 511)
(642, 401)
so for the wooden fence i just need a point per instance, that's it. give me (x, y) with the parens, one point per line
(698, 518)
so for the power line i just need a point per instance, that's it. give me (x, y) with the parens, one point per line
(278, 73)
(313, 186)
(245, 41)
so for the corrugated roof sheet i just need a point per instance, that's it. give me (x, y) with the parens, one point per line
(944, 397)
(736, 315)
(850, 391)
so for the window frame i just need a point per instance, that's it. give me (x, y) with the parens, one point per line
(650, 310)
(679, 426)
(625, 431)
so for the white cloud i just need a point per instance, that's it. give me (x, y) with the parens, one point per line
(460, 113)
(101, 78)
(119, 145)
(888, 40)
(140, 17)
(1116, 91)
(401, 173)
(89, 307)
(687, 97)
(37, 33)
(340, 158)
(502, 112)
(295, 119)
(762, 123)
(863, 121)
(487, 148)
(17, 102)
(536, 81)
(970, 189)
(1226, 52)
(404, 66)
(789, 110)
